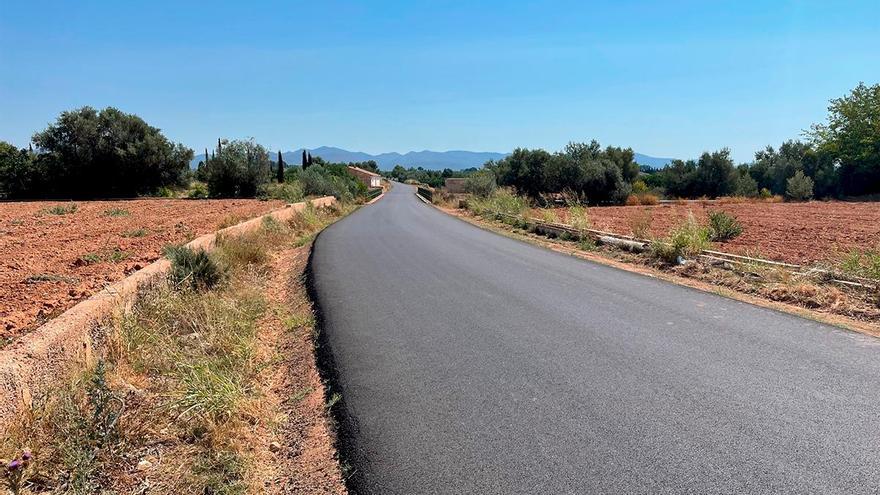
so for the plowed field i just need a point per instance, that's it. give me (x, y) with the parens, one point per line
(54, 254)
(804, 233)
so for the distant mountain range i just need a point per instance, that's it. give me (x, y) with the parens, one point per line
(431, 160)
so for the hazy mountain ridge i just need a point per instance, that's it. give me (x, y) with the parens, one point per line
(431, 160)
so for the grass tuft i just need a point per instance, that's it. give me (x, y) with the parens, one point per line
(117, 212)
(61, 209)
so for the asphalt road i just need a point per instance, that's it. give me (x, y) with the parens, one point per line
(473, 363)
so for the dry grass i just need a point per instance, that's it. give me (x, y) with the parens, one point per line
(178, 403)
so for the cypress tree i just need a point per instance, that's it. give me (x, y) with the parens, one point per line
(280, 168)
(310, 158)
(219, 146)
(206, 155)
(305, 162)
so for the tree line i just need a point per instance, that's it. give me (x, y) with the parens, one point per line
(88, 153)
(433, 178)
(841, 158)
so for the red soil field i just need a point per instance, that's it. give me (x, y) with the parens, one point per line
(803, 233)
(49, 261)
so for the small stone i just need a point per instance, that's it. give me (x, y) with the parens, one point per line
(274, 446)
(144, 465)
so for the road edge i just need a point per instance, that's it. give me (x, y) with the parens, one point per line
(343, 425)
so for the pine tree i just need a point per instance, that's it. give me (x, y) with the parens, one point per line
(280, 168)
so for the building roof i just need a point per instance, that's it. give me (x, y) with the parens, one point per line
(358, 169)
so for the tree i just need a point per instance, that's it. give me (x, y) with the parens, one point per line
(240, 171)
(715, 174)
(679, 178)
(744, 185)
(17, 171)
(852, 137)
(481, 183)
(305, 161)
(523, 170)
(280, 171)
(799, 187)
(88, 153)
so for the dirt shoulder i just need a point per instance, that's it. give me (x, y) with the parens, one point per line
(857, 312)
(305, 451)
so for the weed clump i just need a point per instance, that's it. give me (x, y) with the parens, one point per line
(862, 263)
(61, 209)
(640, 223)
(195, 269)
(723, 226)
(117, 212)
(686, 240)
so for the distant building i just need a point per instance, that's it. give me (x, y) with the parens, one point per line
(369, 179)
(455, 185)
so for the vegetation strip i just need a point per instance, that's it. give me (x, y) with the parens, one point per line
(183, 400)
(35, 361)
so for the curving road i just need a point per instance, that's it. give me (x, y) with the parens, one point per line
(473, 363)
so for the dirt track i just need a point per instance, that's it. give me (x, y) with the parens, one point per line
(815, 232)
(49, 261)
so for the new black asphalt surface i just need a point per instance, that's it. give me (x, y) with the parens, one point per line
(473, 363)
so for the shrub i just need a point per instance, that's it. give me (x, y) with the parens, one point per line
(578, 218)
(290, 192)
(745, 186)
(723, 226)
(686, 240)
(243, 250)
(799, 187)
(482, 183)
(640, 223)
(331, 180)
(501, 201)
(648, 199)
(765, 193)
(194, 269)
(632, 200)
(198, 190)
(164, 192)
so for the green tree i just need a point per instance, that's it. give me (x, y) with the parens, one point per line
(715, 175)
(523, 170)
(107, 153)
(745, 185)
(240, 171)
(18, 173)
(852, 137)
(799, 187)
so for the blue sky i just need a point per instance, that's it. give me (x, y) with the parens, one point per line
(666, 78)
